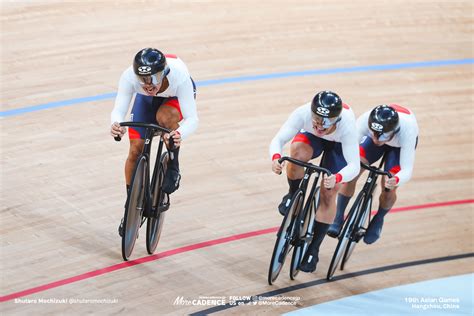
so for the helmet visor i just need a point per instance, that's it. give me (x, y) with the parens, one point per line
(325, 122)
(383, 137)
(154, 80)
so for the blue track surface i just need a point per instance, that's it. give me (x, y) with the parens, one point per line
(314, 72)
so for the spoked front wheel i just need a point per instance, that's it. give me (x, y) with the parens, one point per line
(305, 230)
(358, 233)
(134, 208)
(344, 237)
(155, 223)
(284, 236)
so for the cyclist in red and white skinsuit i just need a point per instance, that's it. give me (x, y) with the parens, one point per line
(390, 129)
(325, 124)
(165, 95)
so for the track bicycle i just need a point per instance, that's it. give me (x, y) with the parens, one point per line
(296, 230)
(145, 199)
(357, 221)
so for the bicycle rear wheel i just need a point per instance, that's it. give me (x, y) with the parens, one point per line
(345, 235)
(284, 236)
(357, 231)
(304, 227)
(134, 207)
(155, 223)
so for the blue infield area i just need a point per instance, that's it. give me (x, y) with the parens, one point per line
(446, 296)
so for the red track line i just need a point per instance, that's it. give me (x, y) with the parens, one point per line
(430, 205)
(176, 251)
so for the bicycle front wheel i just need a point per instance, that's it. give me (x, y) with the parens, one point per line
(134, 207)
(345, 236)
(155, 223)
(305, 229)
(284, 236)
(357, 233)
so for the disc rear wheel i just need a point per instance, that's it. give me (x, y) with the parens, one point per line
(134, 208)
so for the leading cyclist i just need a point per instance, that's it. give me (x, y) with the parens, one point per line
(165, 95)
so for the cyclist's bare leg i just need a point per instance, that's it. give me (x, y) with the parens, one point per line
(168, 116)
(348, 189)
(300, 151)
(327, 204)
(324, 216)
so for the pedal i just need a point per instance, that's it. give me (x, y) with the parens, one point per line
(165, 204)
(163, 208)
(333, 235)
(359, 235)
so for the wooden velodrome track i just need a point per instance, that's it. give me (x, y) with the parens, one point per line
(62, 188)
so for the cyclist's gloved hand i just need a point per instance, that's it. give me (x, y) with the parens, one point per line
(391, 183)
(330, 182)
(277, 167)
(117, 130)
(176, 138)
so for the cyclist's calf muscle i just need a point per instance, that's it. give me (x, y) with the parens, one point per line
(348, 189)
(327, 205)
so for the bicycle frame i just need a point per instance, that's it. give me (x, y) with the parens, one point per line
(369, 186)
(289, 234)
(307, 206)
(152, 199)
(353, 229)
(309, 170)
(151, 129)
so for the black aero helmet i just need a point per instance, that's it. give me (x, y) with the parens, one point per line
(383, 119)
(326, 104)
(149, 61)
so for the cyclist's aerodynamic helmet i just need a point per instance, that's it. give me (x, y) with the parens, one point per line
(384, 122)
(150, 66)
(326, 106)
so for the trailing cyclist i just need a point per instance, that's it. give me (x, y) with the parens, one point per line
(390, 129)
